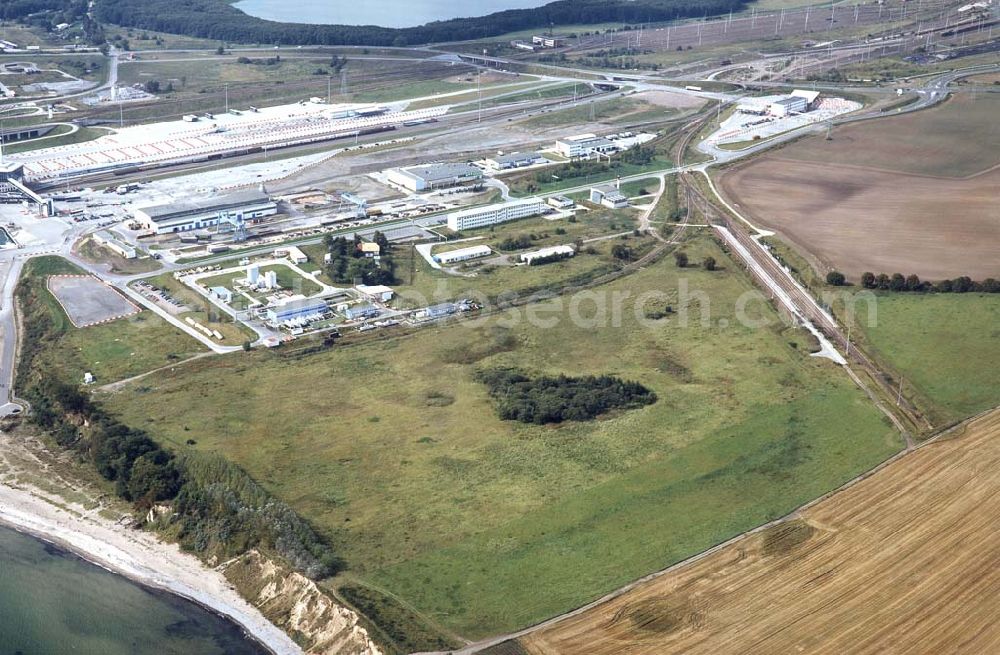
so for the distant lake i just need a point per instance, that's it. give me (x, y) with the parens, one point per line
(51, 601)
(385, 13)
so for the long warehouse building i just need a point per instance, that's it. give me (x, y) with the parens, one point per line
(468, 219)
(434, 176)
(202, 213)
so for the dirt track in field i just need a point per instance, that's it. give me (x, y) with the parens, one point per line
(905, 561)
(855, 219)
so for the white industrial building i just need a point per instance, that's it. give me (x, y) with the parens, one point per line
(563, 251)
(297, 308)
(222, 293)
(204, 212)
(609, 197)
(462, 254)
(115, 245)
(513, 160)
(375, 292)
(785, 106)
(434, 176)
(292, 253)
(560, 202)
(809, 96)
(584, 145)
(468, 219)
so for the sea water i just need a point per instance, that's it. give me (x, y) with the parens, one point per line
(53, 602)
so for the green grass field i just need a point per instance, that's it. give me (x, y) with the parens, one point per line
(393, 450)
(947, 346)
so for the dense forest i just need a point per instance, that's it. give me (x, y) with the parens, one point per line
(553, 399)
(219, 20)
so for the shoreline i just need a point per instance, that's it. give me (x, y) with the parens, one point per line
(141, 558)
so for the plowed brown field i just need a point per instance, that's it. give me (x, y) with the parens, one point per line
(909, 194)
(905, 561)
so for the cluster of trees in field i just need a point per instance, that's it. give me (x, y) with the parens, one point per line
(899, 282)
(553, 399)
(348, 265)
(218, 19)
(215, 507)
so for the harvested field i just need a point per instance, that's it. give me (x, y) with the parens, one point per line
(958, 138)
(905, 561)
(910, 194)
(857, 220)
(87, 300)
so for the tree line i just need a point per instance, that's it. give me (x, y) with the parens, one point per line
(220, 20)
(899, 282)
(554, 399)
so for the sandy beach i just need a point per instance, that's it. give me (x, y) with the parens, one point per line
(139, 556)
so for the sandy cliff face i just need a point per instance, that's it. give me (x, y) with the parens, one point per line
(294, 603)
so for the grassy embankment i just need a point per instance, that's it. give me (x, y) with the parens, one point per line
(392, 449)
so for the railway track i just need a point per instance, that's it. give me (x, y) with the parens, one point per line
(903, 413)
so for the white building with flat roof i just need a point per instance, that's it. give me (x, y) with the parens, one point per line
(584, 145)
(434, 176)
(551, 251)
(375, 292)
(462, 254)
(809, 96)
(513, 160)
(115, 245)
(785, 106)
(201, 213)
(608, 196)
(468, 219)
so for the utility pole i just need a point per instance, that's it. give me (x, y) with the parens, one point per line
(479, 92)
(329, 89)
(227, 98)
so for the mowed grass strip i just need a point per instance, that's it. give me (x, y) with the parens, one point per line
(393, 449)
